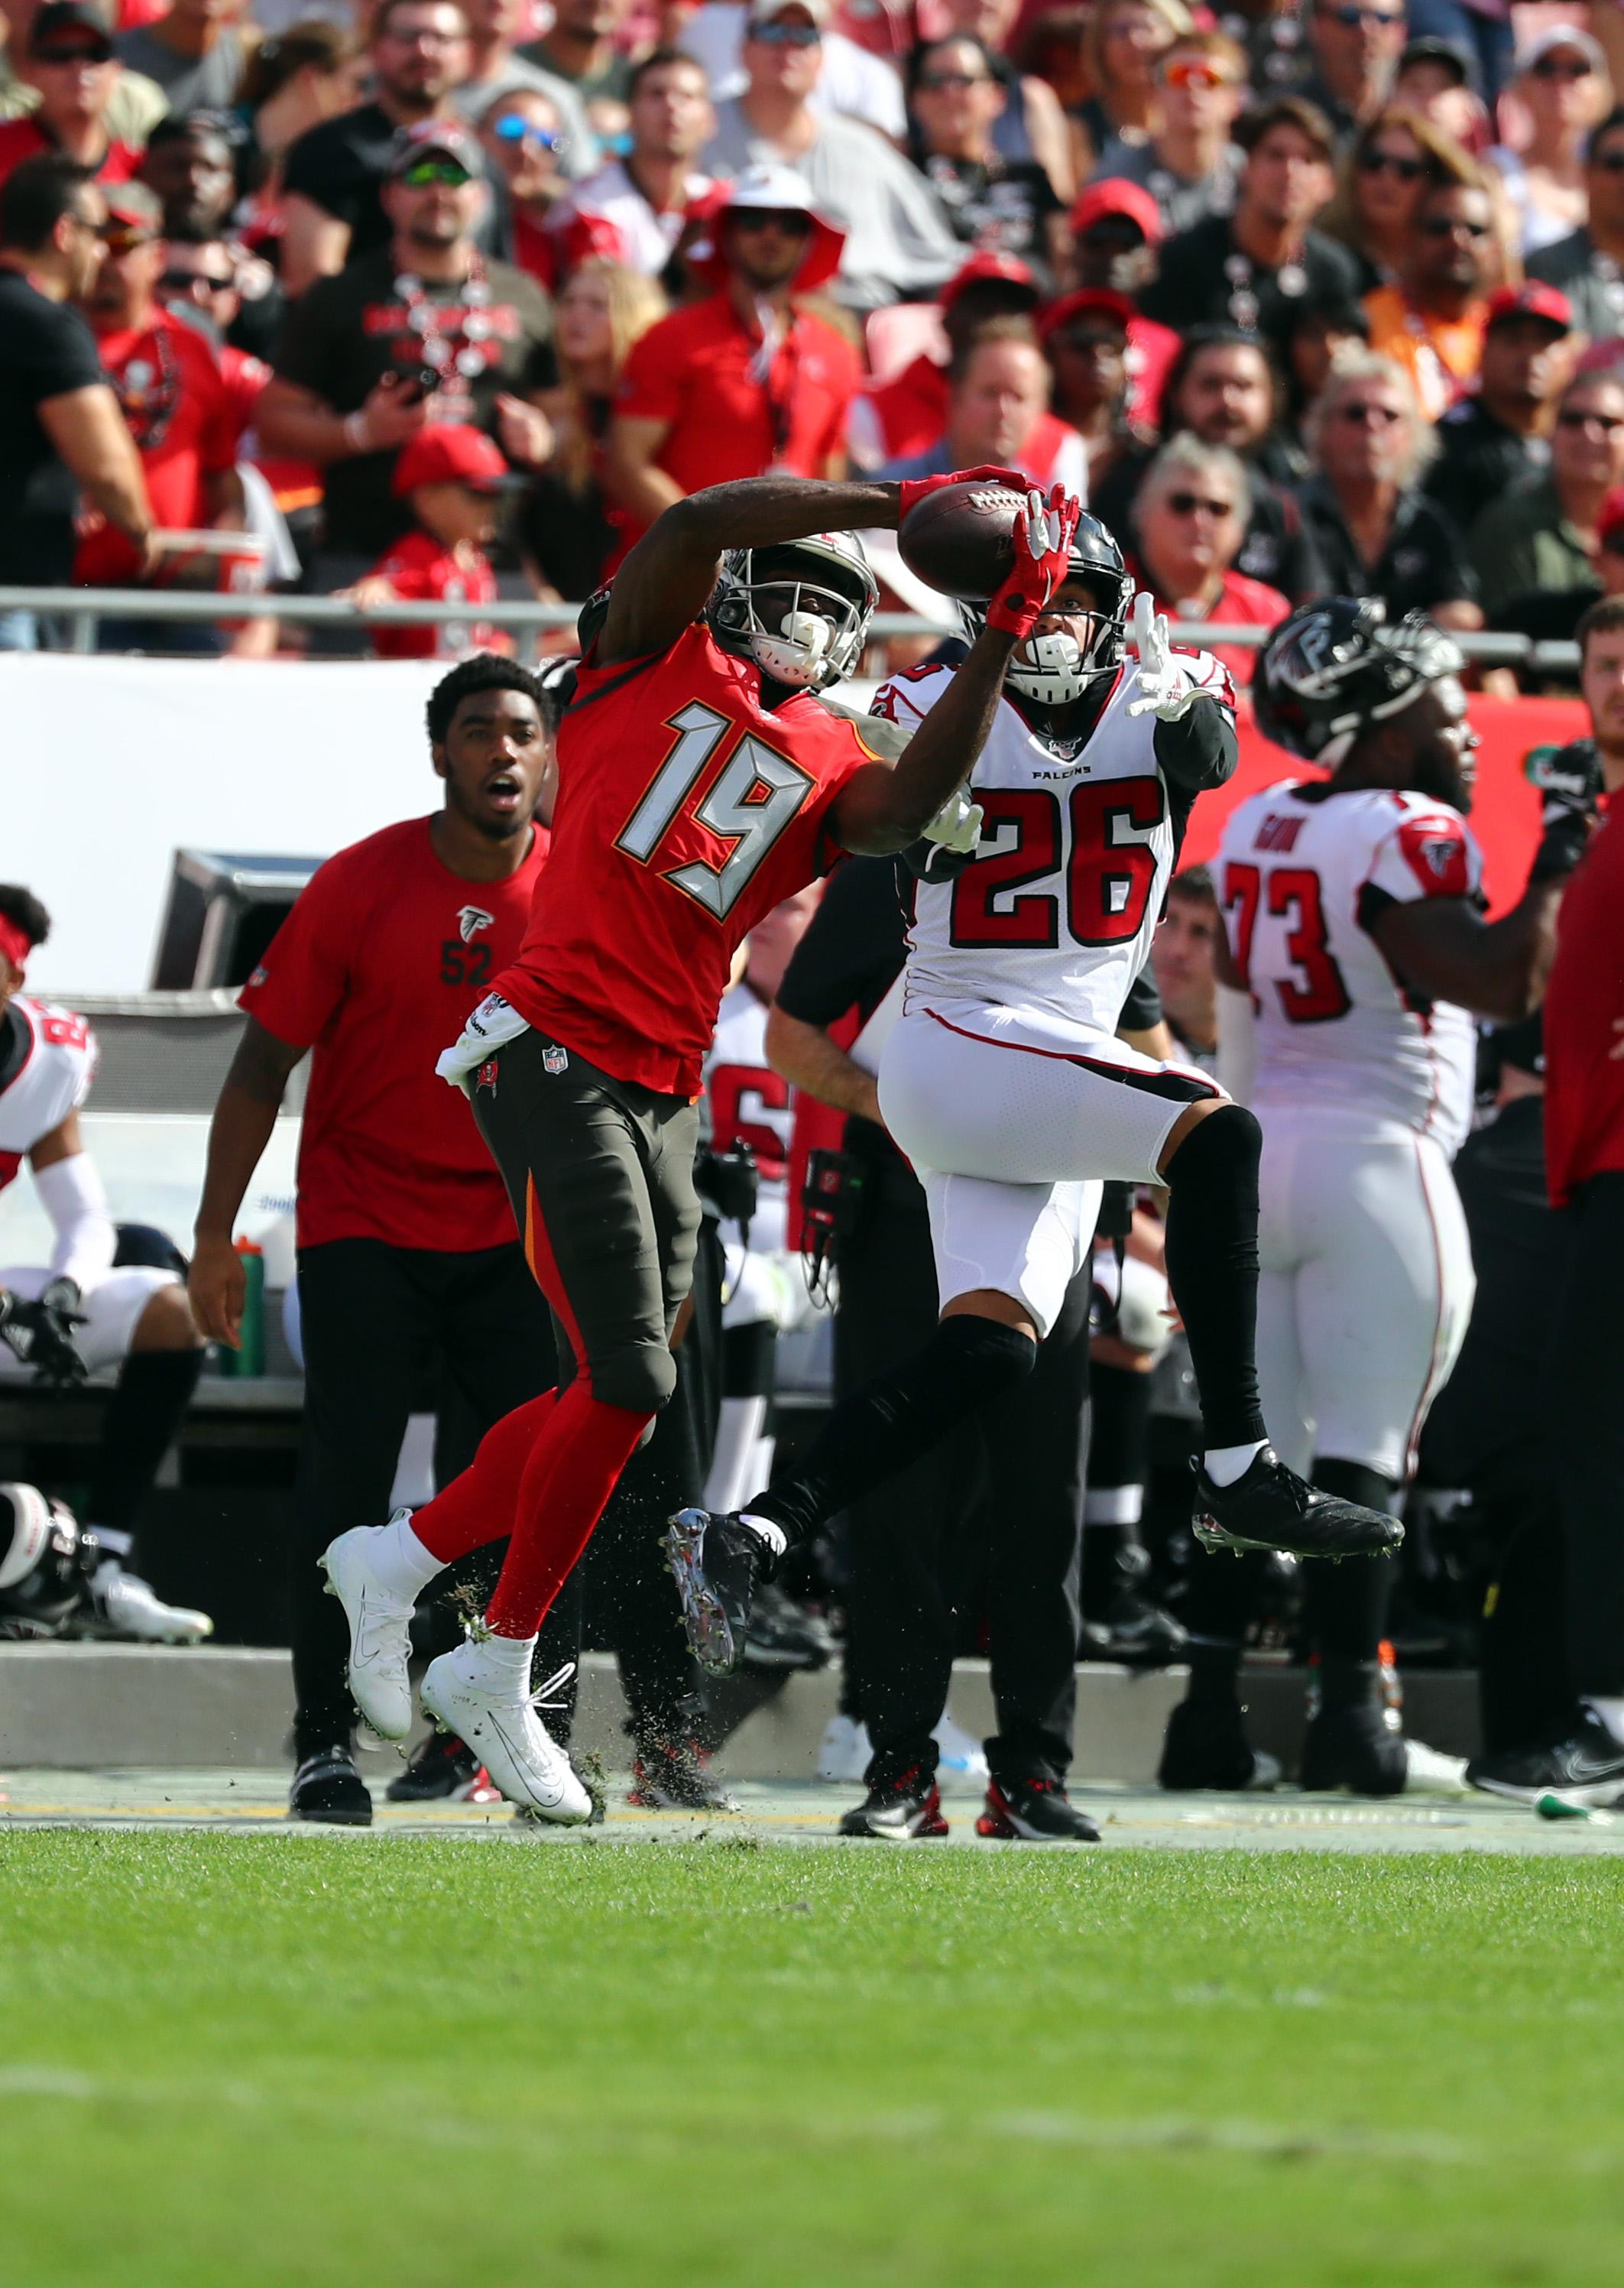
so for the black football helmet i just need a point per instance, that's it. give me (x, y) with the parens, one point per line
(1053, 671)
(1336, 667)
(46, 1560)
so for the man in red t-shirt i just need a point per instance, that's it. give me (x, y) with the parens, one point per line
(701, 780)
(747, 380)
(406, 1246)
(70, 60)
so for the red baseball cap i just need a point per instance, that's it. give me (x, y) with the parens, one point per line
(1116, 196)
(451, 453)
(988, 263)
(1086, 298)
(1611, 522)
(1531, 299)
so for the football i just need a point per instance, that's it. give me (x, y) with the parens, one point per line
(960, 538)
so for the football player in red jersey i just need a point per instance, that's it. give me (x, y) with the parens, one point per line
(701, 779)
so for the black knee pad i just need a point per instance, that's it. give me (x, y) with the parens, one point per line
(641, 1378)
(995, 1355)
(1228, 1143)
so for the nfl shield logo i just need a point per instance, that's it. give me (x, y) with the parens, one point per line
(554, 1060)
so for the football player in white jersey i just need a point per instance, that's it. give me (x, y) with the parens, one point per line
(1355, 949)
(1004, 1083)
(63, 1320)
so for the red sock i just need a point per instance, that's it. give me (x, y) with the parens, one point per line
(480, 1504)
(564, 1489)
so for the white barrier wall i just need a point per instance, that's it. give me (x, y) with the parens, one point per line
(109, 765)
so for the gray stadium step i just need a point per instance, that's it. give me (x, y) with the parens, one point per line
(84, 1706)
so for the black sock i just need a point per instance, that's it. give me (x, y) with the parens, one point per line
(898, 1416)
(1212, 1268)
(1344, 1607)
(1224, 1595)
(143, 1415)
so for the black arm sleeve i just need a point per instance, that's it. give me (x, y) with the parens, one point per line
(1200, 750)
(854, 947)
(1142, 1007)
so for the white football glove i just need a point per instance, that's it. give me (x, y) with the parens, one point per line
(956, 825)
(1167, 688)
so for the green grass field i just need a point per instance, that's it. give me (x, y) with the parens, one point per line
(250, 2060)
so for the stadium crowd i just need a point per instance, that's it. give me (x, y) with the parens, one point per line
(448, 301)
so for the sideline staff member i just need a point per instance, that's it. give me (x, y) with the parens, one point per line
(406, 1247)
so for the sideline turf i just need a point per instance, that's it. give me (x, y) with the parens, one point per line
(230, 2060)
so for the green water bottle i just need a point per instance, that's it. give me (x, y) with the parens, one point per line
(248, 1357)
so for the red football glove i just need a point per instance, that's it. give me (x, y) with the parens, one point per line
(912, 490)
(1042, 555)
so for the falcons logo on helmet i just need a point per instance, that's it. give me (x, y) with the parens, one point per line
(470, 921)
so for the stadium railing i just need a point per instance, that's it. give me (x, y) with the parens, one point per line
(81, 608)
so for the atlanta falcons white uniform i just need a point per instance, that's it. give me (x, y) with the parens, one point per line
(1002, 1080)
(57, 1065)
(1363, 1093)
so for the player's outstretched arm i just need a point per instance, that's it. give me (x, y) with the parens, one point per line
(250, 1099)
(664, 582)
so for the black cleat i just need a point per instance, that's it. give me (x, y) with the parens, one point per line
(717, 1564)
(327, 1786)
(1355, 1748)
(443, 1771)
(676, 1775)
(904, 1810)
(1207, 1747)
(1271, 1508)
(1136, 1633)
(782, 1635)
(1035, 1810)
(1586, 1764)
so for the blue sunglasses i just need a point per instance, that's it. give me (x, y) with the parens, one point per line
(515, 128)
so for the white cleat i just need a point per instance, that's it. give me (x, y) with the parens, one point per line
(498, 1723)
(1427, 1771)
(844, 1752)
(380, 1632)
(122, 1605)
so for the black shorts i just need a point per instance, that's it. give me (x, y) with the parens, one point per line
(600, 1172)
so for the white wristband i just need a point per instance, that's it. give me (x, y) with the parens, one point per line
(355, 434)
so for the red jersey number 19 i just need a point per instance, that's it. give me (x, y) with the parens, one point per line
(753, 799)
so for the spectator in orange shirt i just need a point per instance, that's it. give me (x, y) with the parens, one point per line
(1189, 521)
(69, 59)
(450, 476)
(748, 380)
(1432, 319)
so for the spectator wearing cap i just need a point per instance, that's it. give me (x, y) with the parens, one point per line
(1431, 318)
(1189, 519)
(60, 432)
(1221, 389)
(423, 330)
(1352, 49)
(1377, 534)
(1562, 84)
(905, 414)
(1499, 437)
(648, 194)
(1031, 125)
(175, 405)
(852, 84)
(523, 145)
(1087, 338)
(955, 98)
(1436, 79)
(998, 391)
(70, 61)
(194, 51)
(450, 478)
(1541, 539)
(1588, 263)
(747, 380)
(897, 245)
(1382, 178)
(1189, 161)
(1250, 266)
(1474, 36)
(1116, 235)
(1122, 43)
(496, 69)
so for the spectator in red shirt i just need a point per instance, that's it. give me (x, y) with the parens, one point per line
(748, 380)
(905, 414)
(450, 476)
(69, 59)
(998, 415)
(524, 139)
(408, 1255)
(1189, 519)
(1117, 237)
(175, 401)
(1088, 339)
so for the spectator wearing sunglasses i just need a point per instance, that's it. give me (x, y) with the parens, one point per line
(1123, 41)
(1394, 160)
(1589, 265)
(1189, 521)
(526, 146)
(1376, 532)
(1352, 53)
(1431, 318)
(1031, 124)
(955, 98)
(193, 51)
(496, 69)
(747, 380)
(1189, 161)
(69, 63)
(897, 242)
(1562, 84)
(1541, 540)
(1499, 438)
(649, 194)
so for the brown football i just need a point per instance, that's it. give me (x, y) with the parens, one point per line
(961, 539)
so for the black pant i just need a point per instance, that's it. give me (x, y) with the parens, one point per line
(991, 1521)
(1584, 1389)
(375, 1320)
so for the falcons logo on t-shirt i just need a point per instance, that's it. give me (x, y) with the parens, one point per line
(472, 918)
